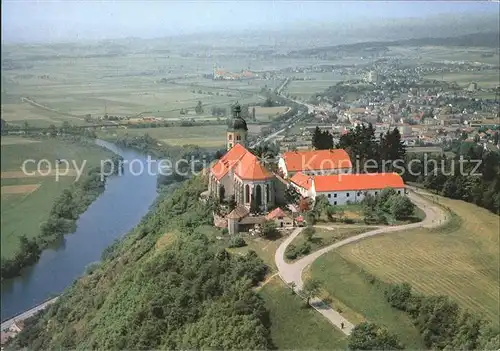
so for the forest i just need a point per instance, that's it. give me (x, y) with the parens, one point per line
(187, 293)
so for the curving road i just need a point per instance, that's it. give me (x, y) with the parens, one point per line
(292, 273)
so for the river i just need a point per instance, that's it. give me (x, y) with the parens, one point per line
(126, 199)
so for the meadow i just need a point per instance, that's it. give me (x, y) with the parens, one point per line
(323, 237)
(460, 259)
(484, 79)
(34, 195)
(321, 81)
(295, 325)
(212, 136)
(70, 82)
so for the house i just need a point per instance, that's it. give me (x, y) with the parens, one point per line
(313, 162)
(302, 183)
(340, 189)
(280, 217)
(239, 219)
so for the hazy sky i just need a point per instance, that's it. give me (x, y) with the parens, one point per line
(70, 20)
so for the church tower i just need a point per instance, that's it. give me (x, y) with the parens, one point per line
(237, 129)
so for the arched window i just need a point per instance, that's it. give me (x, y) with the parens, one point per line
(258, 195)
(247, 193)
(268, 194)
(230, 137)
(238, 137)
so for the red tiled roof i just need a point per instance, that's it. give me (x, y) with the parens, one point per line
(316, 159)
(245, 165)
(249, 168)
(277, 212)
(302, 180)
(228, 161)
(369, 181)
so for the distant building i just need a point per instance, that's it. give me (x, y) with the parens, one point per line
(280, 217)
(472, 86)
(373, 77)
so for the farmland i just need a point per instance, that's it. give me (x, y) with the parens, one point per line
(204, 136)
(460, 260)
(68, 82)
(484, 79)
(22, 194)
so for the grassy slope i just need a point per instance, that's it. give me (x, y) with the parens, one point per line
(324, 237)
(460, 260)
(345, 282)
(293, 326)
(37, 204)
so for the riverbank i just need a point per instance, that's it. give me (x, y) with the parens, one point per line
(125, 200)
(53, 201)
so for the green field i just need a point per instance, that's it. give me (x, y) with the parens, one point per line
(324, 237)
(75, 80)
(321, 81)
(484, 79)
(460, 260)
(295, 326)
(16, 204)
(350, 289)
(204, 136)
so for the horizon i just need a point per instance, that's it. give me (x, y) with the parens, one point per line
(70, 21)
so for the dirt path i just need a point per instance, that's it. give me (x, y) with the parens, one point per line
(292, 273)
(266, 281)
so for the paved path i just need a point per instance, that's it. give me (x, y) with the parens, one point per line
(5, 325)
(434, 216)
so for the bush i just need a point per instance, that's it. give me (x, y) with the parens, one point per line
(237, 241)
(292, 251)
(269, 229)
(398, 295)
(370, 336)
(401, 207)
(308, 232)
(225, 231)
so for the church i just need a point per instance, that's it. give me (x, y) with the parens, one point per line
(239, 173)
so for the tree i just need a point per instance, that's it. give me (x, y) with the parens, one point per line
(269, 229)
(310, 289)
(370, 336)
(321, 205)
(401, 207)
(269, 102)
(199, 108)
(25, 127)
(308, 232)
(292, 196)
(322, 140)
(52, 130)
(304, 205)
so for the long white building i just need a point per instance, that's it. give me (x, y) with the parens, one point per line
(340, 189)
